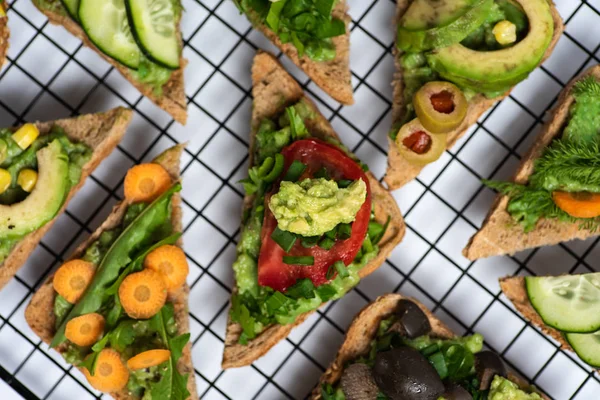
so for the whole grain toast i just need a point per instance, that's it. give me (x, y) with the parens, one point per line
(400, 171)
(499, 233)
(39, 314)
(101, 132)
(273, 90)
(4, 33)
(364, 328)
(172, 99)
(334, 76)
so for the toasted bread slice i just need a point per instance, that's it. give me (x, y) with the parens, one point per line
(4, 33)
(172, 99)
(400, 171)
(40, 315)
(364, 328)
(273, 90)
(499, 233)
(334, 76)
(101, 132)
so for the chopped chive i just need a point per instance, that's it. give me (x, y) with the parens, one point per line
(376, 230)
(322, 173)
(330, 272)
(308, 242)
(332, 233)
(276, 169)
(432, 348)
(367, 245)
(284, 239)
(326, 292)
(341, 269)
(439, 363)
(276, 301)
(326, 243)
(294, 172)
(344, 183)
(299, 260)
(344, 231)
(364, 167)
(266, 166)
(303, 288)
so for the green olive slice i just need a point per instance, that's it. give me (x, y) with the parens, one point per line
(440, 106)
(419, 146)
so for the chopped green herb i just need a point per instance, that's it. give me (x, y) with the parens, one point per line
(284, 239)
(299, 260)
(294, 172)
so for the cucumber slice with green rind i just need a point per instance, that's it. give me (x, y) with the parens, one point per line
(105, 22)
(154, 25)
(569, 303)
(72, 7)
(587, 346)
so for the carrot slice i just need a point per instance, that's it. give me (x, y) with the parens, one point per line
(85, 329)
(111, 374)
(143, 294)
(578, 205)
(170, 262)
(148, 359)
(72, 278)
(145, 182)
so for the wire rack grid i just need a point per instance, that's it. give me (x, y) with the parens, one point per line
(51, 75)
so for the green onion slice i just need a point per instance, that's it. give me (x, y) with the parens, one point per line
(299, 260)
(284, 239)
(294, 172)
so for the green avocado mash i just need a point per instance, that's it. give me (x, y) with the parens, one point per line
(313, 207)
(255, 307)
(570, 163)
(503, 389)
(14, 159)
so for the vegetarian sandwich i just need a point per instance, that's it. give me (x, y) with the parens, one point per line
(117, 309)
(564, 307)
(140, 38)
(314, 34)
(396, 349)
(4, 32)
(555, 194)
(42, 166)
(315, 221)
(454, 60)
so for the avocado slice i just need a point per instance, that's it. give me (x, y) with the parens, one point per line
(44, 201)
(498, 70)
(431, 24)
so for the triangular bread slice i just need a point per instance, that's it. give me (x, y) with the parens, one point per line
(499, 234)
(334, 76)
(364, 328)
(4, 33)
(172, 99)
(101, 132)
(400, 171)
(39, 313)
(273, 90)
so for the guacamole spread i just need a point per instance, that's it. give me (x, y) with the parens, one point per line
(313, 207)
(14, 160)
(503, 389)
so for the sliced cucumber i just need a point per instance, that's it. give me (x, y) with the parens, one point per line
(154, 26)
(587, 346)
(569, 303)
(106, 24)
(72, 7)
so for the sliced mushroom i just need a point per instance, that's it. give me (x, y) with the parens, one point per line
(412, 319)
(358, 384)
(404, 374)
(488, 364)
(456, 392)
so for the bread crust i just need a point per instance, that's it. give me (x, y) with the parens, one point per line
(400, 171)
(39, 313)
(499, 233)
(172, 100)
(273, 90)
(4, 34)
(364, 328)
(101, 132)
(334, 76)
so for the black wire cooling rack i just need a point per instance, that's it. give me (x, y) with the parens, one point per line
(51, 75)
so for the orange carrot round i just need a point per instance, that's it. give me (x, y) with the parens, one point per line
(578, 205)
(111, 374)
(145, 182)
(72, 278)
(143, 294)
(170, 262)
(148, 359)
(85, 329)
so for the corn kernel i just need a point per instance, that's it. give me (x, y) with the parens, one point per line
(505, 32)
(26, 135)
(27, 179)
(5, 180)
